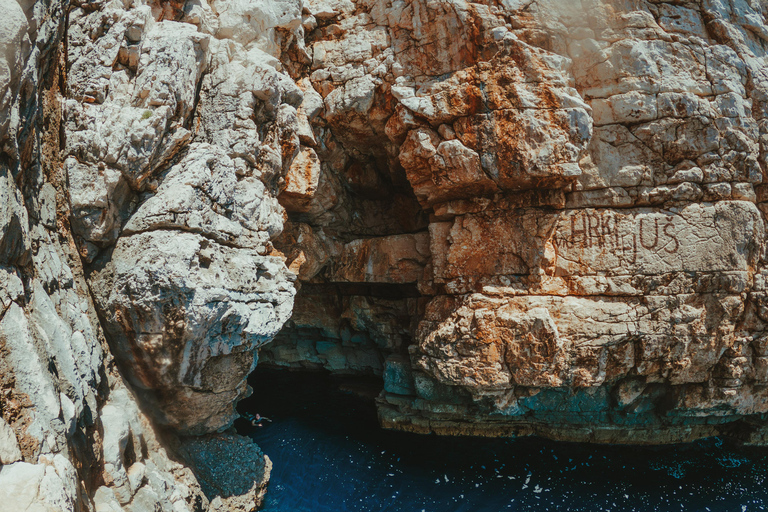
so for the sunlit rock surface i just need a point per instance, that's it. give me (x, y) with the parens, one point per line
(72, 436)
(178, 130)
(588, 177)
(95, 134)
(525, 216)
(188, 292)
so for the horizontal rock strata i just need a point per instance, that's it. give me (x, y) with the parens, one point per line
(588, 180)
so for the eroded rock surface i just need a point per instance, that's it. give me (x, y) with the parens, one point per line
(72, 437)
(178, 130)
(188, 292)
(526, 216)
(588, 177)
(94, 134)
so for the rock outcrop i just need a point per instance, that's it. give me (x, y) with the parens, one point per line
(172, 185)
(72, 435)
(587, 178)
(122, 282)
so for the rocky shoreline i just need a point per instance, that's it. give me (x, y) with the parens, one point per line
(526, 217)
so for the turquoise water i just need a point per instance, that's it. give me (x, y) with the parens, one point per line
(329, 455)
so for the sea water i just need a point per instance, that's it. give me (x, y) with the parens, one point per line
(330, 455)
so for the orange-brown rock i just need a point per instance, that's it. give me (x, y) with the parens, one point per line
(585, 178)
(301, 181)
(394, 259)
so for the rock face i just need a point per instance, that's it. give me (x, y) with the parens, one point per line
(177, 130)
(188, 293)
(117, 273)
(72, 437)
(536, 217)
(525, 216)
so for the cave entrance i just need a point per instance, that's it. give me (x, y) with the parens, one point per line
(331, 402)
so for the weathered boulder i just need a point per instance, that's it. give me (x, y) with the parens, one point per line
(188, 292)
(187, 330)
(178, 128)
(9, 445)
(38, 486)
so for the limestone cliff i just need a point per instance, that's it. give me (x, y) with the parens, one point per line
(81, 156)
(536, 216)
(526, 216)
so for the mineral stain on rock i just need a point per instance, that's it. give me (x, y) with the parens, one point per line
(638, 259)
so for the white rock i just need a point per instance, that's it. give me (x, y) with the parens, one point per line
(128, 139)
(117, 434)
(14, 48)
(9, 446)
(203, 194)
(14, 231)
(97, 197)
(222, 301)
(32, 376)
(173, 57)
(104, 500)
(69, 414)
(356, 95)
(20, 485)
(136, 476)
(249, 21)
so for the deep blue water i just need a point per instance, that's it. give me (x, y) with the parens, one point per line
(329, 455)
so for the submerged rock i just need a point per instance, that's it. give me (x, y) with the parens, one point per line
(232, 470)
